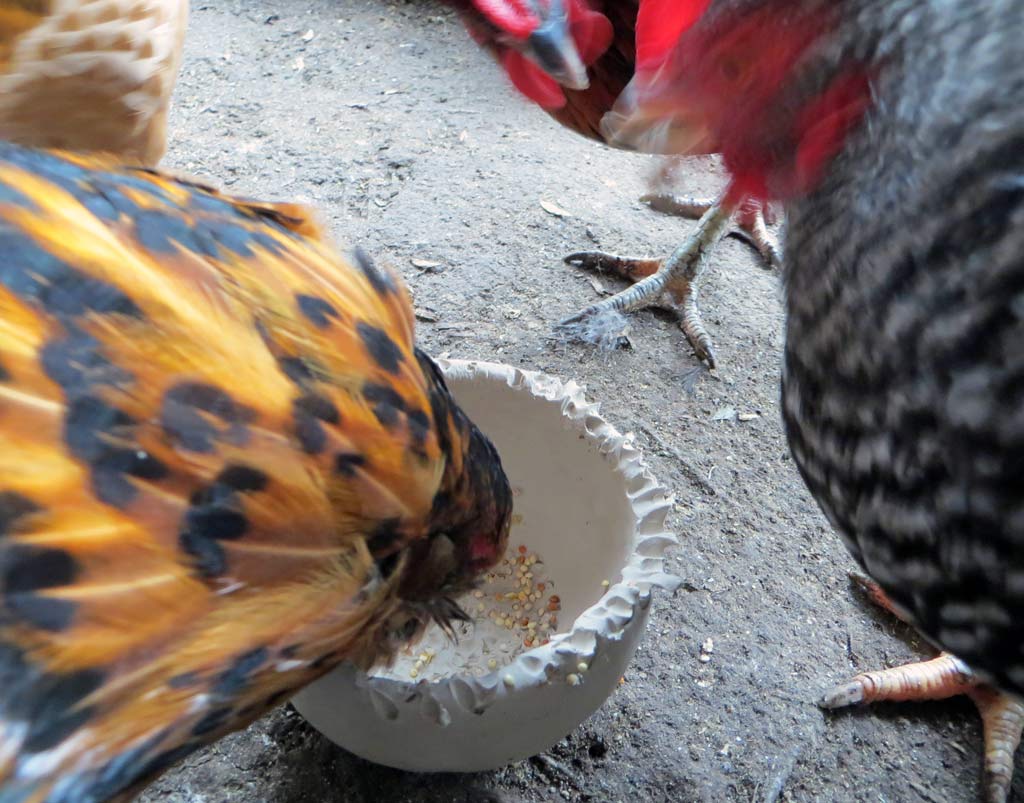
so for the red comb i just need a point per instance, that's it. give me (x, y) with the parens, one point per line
(511, 16)
(532, 81)
(659, 24)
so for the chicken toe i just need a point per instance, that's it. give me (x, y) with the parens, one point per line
(669, 284)
(940, 678)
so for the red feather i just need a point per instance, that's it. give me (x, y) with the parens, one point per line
(659, 24)
(823, 124)
(733, 76)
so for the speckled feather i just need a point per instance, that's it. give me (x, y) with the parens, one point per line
(90, 75)
(224, 467)
(904, 360)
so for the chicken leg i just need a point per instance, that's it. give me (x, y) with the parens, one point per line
(938, 679)
(672, 283)
(751, 222)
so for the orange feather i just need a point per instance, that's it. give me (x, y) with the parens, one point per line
(224, 467)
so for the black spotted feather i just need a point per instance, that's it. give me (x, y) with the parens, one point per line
(224, 467)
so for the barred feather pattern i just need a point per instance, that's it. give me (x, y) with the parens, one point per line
(903, 391)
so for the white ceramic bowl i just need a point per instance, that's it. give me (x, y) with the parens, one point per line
(594, 512)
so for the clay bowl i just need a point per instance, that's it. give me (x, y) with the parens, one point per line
(588, 506)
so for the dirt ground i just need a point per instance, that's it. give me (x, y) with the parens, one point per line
(384, 115)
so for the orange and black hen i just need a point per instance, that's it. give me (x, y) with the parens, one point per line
(224, 468)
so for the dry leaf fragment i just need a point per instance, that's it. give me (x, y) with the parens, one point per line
(554, 209)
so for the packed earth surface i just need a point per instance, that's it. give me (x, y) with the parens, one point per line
(408, 140)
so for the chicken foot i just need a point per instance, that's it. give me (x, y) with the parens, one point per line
(938, 679)
(669, 284)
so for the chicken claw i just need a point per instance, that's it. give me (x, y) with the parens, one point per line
(669, 284)
(938, 679)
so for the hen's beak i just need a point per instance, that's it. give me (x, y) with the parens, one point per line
(650, 121)
(553, 49)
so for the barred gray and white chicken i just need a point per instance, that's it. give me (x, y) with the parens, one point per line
(893, 130)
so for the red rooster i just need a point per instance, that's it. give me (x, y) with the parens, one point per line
(538, 45)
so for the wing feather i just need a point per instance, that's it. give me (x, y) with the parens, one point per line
(92, 76)
(212, 430)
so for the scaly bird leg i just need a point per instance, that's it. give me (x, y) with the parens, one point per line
(670, 284)
(752, 221)
(942, 677)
